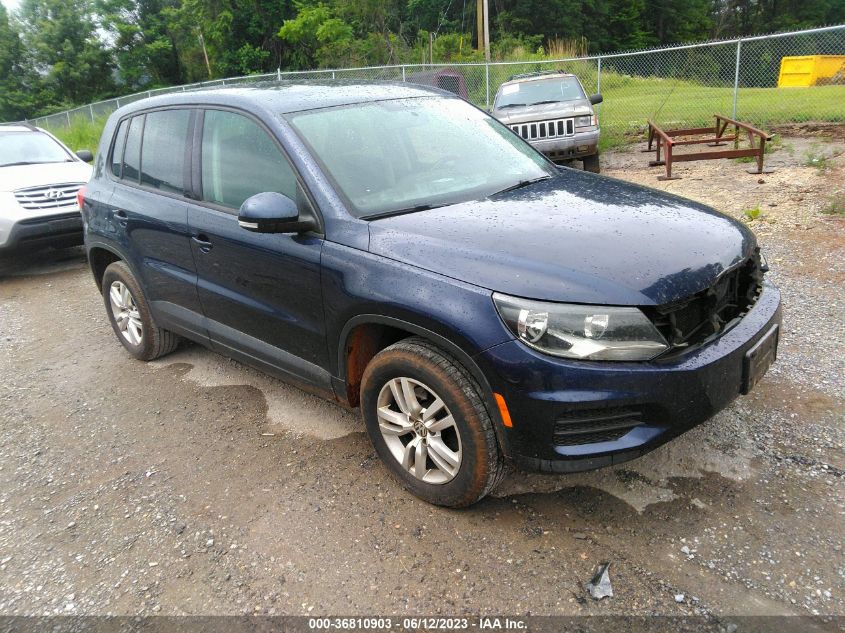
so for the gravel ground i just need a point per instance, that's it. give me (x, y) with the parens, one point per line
(195, 485)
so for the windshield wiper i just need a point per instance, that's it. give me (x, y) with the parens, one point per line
(544, 102)
(414, 209)
(510, 105)
(520, 185)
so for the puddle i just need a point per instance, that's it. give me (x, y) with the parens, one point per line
(288, 408)
(644, 481)
(639, 483)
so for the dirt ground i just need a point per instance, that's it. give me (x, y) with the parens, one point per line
(195, 485)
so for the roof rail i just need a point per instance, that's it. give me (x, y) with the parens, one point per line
(25, 124)
(537, 74)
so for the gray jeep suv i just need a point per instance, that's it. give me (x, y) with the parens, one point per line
(551, 111)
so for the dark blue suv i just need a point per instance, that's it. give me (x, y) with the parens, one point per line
(396, 249)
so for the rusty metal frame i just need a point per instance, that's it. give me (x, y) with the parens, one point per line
(668, 139)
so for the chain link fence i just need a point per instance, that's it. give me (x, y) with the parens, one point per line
(676, 86)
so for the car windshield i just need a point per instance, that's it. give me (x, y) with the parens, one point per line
(412, 154)
(29, 148)
(539, 91)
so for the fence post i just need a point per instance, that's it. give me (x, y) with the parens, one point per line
(736, 75)
(278, 74)
(598, 81)
(403, 73)
(67, 114)
(487, 82)
(91, 111)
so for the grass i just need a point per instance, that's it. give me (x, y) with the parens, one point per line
(752, 214)
(81, 134)
(815, 159)
(836, 206)
(630, 101)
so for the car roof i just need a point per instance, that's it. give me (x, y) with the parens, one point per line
(291, 96)
(18, 127)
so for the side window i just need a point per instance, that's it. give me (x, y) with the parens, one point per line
(119, 144)
(239, 159)
(163, 152)
(132, 153)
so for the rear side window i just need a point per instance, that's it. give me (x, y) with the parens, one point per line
(163, 153)
(132, 153)
(119, 144)
(239, 159)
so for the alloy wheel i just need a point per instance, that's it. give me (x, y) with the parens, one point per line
(126, 313)
(419, 430)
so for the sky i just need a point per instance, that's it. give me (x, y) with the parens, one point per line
(11, 5)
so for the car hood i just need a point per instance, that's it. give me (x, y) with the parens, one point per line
(577, 237)
(544, 111)
(25, 176)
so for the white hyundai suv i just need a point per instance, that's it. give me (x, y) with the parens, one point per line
(39, 181)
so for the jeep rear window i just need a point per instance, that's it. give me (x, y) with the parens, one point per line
(539, 91)
(409, 154)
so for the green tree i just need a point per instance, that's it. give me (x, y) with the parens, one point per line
(143, 42)
(16, 96)
(61, 36)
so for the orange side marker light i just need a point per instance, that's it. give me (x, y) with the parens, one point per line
(503, 409)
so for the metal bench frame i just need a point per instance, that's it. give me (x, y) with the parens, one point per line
(669, 139)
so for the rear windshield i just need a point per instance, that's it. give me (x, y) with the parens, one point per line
(30, 148)
(539, 91)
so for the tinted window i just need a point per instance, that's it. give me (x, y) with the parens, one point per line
(163, 155)
(239, 159)
(119, 144)
(132, 154)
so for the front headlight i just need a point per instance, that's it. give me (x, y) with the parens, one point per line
(586, 121)
(579, 331)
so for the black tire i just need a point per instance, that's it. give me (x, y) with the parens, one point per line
(481, 466)
(155, 341)
(591, 164)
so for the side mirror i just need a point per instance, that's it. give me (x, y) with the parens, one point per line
(596, 99)
(272, 212)
(85, 155)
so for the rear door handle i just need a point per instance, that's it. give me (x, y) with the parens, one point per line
(120, 216)
(202, 242)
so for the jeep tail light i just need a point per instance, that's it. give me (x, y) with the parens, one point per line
(80, 197)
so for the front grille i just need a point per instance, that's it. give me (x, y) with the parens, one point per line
(691, 322)
(48, 197)
(595, 425)
(545, 129)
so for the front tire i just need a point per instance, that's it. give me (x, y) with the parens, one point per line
(591, 164)
(130, 317)
(427, 421)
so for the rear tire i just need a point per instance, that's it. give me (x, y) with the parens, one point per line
(428, 422)
(130, 317)
(591, 163)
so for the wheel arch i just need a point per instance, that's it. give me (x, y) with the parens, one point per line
(366, 335)
(99, 258)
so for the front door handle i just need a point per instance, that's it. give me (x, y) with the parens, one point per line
(202, 242)
(120, 216)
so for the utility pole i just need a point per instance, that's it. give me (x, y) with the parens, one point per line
(479, 23)
(486, 31)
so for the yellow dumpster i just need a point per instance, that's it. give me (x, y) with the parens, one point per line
(811, 70)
